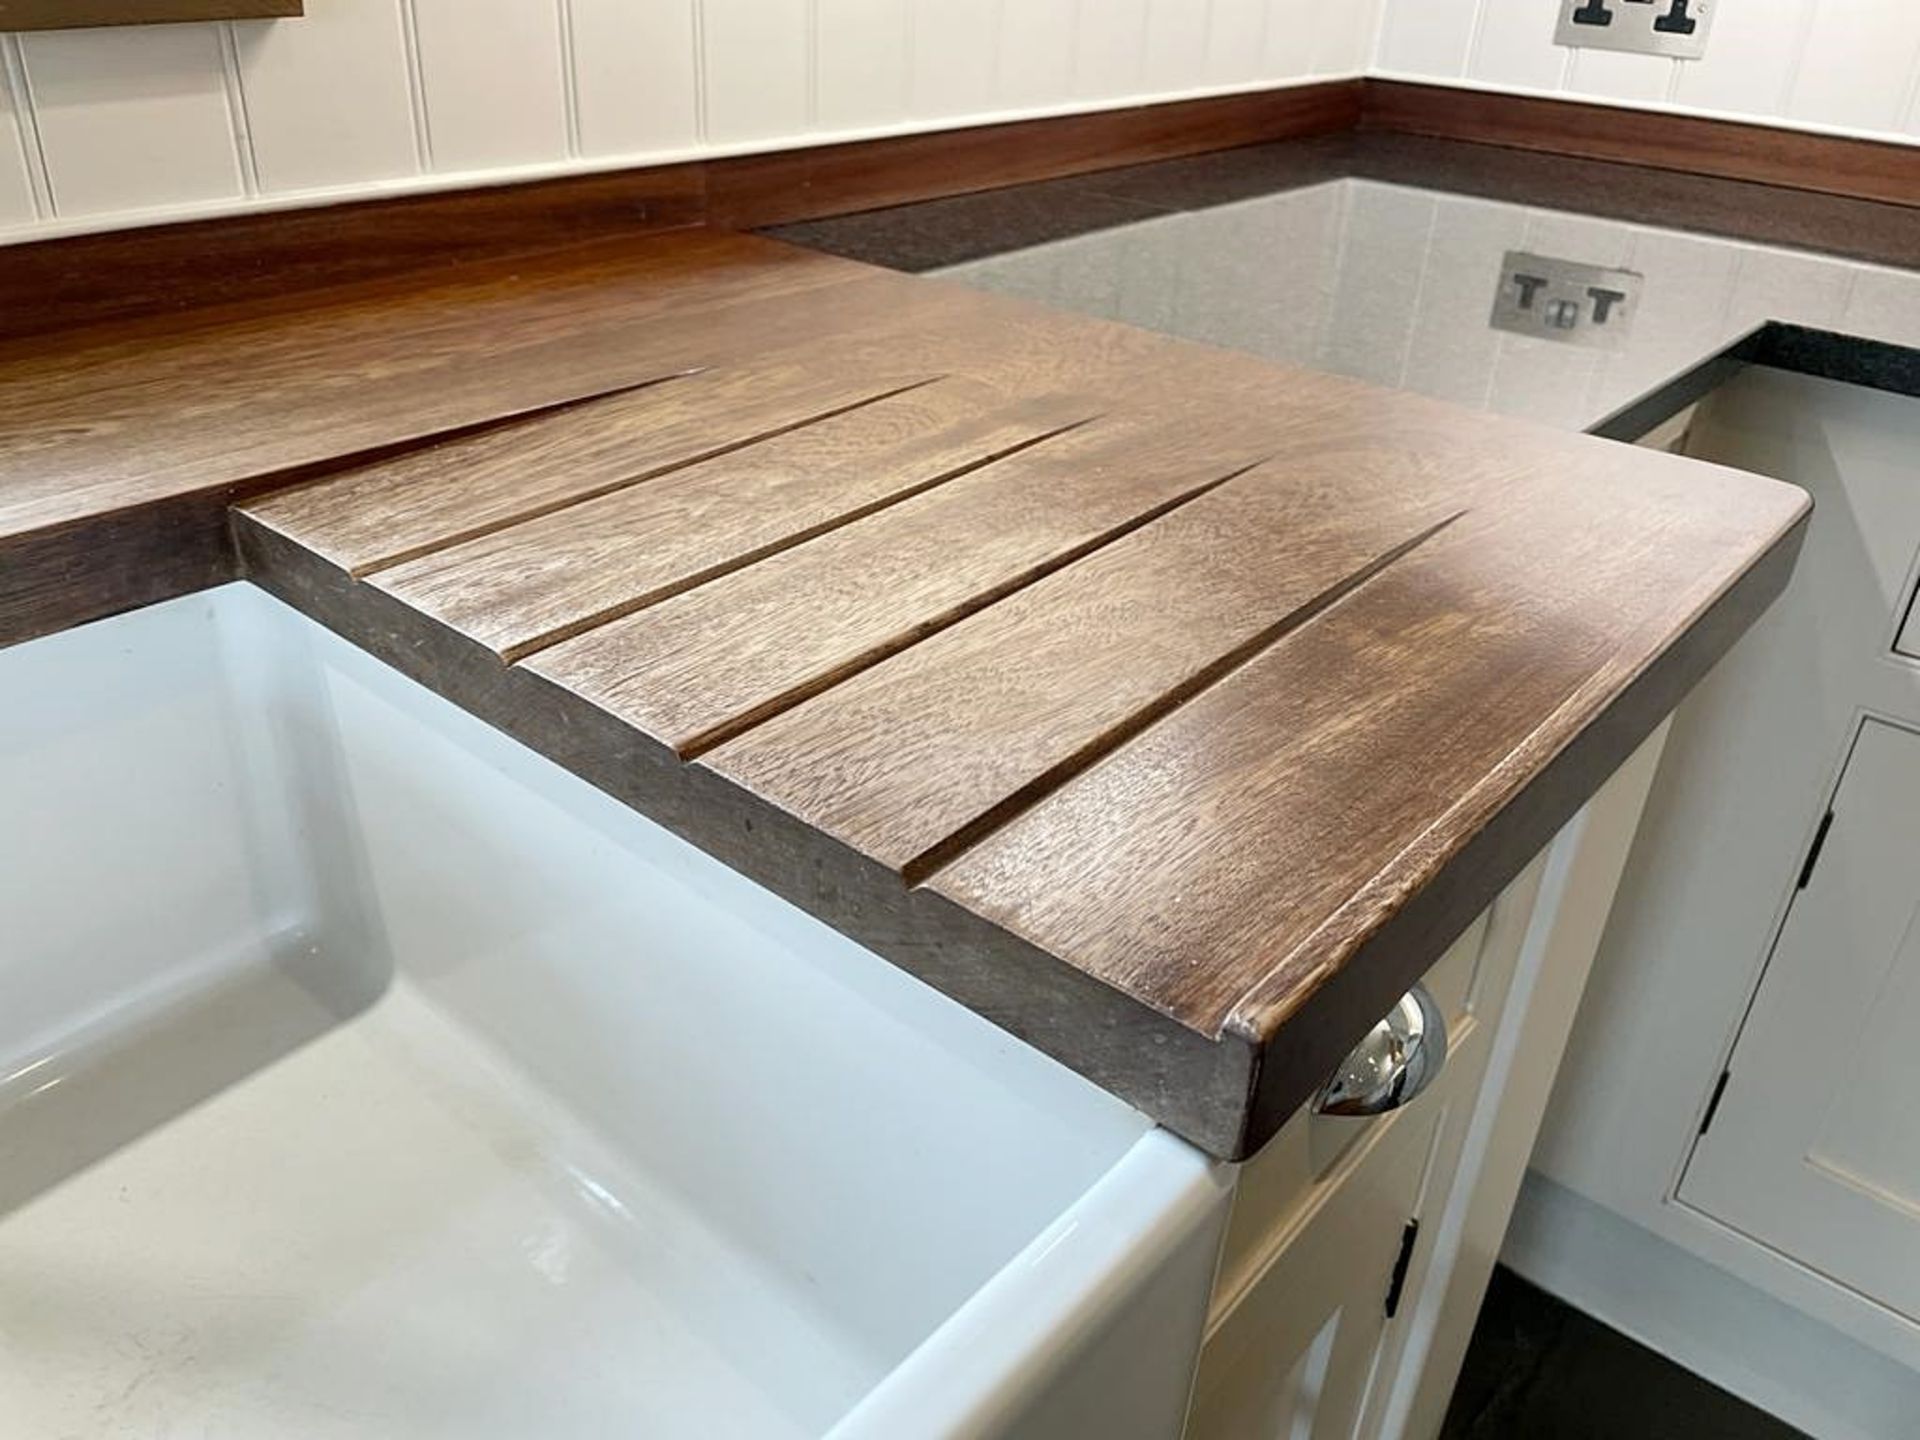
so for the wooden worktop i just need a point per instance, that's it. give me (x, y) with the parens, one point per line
(1169, 707)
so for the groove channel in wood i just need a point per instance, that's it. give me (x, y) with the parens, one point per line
(453, 494)
(1339, 759)
(524, 588)
(1201, 881)
(922, 754)
(922, 867)
(712, 662)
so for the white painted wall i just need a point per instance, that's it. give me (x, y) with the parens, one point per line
(1851, 66)
(100, 128)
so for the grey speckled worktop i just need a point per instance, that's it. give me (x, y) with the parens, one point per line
(1394, 283)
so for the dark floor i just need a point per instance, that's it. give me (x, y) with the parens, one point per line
(1540, 1370)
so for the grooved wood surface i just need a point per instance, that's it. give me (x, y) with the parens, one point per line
(1170, 707)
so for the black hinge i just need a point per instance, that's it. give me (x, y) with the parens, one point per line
(1400, 1267)
(1813, 851)
(1713, 1105)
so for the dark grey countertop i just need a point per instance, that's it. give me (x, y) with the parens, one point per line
(1322, 254)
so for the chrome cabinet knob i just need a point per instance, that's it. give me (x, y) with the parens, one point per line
(1400, 1057)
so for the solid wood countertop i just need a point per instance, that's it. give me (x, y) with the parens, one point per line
(1170, 707)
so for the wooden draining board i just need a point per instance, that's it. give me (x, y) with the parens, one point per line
(1171, 708)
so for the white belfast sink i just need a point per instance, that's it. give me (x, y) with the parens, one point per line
(367, 1075)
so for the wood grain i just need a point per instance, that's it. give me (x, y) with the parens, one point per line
(65, 575)
(278, 258)
(110, 424)
(914, 758)
(798, 184)
(74, 14)
(383, 364)
(1476, 656)
(458, 492)
(527, 587)
(275, 257)
(705, 665)
(1733, 149)
(1203, 699)
(1163, 704)
(1166, 1069)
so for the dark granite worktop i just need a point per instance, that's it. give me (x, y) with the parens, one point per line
(1379, 257)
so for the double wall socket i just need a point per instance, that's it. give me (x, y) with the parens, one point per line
(1677, 28)
(1565, 300)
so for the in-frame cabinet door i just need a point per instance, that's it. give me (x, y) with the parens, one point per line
(1293, 1359)
(1814, 1148)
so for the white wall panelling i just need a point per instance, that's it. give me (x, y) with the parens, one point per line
(862, 50)
(634, 77)
(133, 117)
(1236, 40)
(372, 96)
(1300, 32)
(1859, 65)
(491, 71)
(955, 46)
(17, 147)
(366, 96)
(1176, 44)
(1621, 75)
(1341, 38)
(1110, 56)
(1749, 69)
(328, 101)
(754, 60)
(1512, 43)
(1429, 40)
(1037, 44)
(1851, 66)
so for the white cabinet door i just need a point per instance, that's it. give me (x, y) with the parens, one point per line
(1815, 1146)
(1293, 1359)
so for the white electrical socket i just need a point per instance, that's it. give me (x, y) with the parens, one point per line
(1675, 28)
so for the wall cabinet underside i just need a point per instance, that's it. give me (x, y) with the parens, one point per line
(77, 14)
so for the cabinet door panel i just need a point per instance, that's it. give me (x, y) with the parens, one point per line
(1292, 1358)
(1814, 1148)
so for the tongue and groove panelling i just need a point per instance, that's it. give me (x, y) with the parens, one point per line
(364, 95)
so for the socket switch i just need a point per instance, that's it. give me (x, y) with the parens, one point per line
(1675, 28)
(1565, 300)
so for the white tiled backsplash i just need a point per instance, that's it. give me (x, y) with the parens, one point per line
(99, 127)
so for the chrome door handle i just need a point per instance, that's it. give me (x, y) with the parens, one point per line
(1400, 1057)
